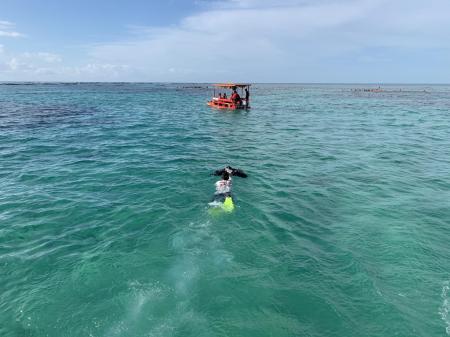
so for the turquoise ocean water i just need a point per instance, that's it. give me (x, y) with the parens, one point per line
(341, 229)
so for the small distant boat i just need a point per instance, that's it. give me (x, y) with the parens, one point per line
(223, 101)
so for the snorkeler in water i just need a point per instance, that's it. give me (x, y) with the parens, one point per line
(223, 187)
(231, 171)
(222, 196)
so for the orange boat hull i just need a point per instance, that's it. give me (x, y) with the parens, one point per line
(222, 103)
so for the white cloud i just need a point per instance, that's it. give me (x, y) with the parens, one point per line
(29, 61)
(6, 24)
(25, 63)
(7, 29)
(14, 64)
(42, 56)
(10, 34)
(45, 66)
(95, 69)
(269, 40)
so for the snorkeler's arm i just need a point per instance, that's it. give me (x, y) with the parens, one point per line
(239, 173)
(218, 172)
(234, 172)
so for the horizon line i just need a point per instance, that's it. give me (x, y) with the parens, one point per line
(177, 82)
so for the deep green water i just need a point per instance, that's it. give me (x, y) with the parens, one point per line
(341, 229)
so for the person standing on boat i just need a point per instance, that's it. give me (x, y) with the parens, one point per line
(247, 97)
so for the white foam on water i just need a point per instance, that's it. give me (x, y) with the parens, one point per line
(221, 257)
(182, 315)
(198, 248)
(186, 267)
(118, 329)
(183, 273)
(164, 329)
(215, 204)
(139, 295)
(444, 309)
(142, 294)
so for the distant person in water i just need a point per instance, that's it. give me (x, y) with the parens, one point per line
(247, 98)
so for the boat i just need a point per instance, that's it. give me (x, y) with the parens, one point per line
(225, 102)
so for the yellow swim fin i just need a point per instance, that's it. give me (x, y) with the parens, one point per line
(228, 205)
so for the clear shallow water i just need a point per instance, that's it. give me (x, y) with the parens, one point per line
(341, 229)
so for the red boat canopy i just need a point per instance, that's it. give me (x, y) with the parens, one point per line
(232, 85)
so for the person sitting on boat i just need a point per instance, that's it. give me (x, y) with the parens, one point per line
(220, 95)
(224, 95)
(235, 97)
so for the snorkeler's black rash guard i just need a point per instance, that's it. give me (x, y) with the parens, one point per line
(234, 172)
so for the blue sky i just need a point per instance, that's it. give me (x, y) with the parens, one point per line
(377, 41)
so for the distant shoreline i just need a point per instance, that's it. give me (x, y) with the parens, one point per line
(208, 83)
